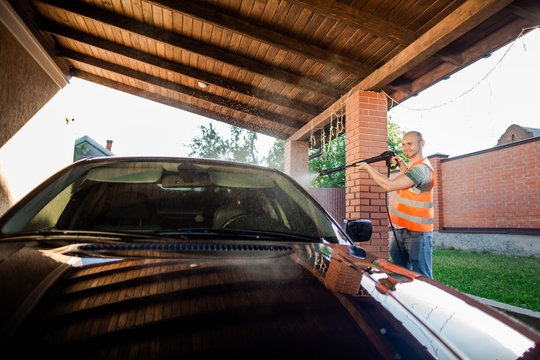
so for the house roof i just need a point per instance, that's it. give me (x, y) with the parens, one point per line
(280, 68)
(86, 147)
(534, 131)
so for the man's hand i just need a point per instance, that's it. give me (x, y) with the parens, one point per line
(399, 162)
(400, 182)
(362, 166)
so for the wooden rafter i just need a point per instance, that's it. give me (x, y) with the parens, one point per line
(452, 27)
(157, 61)
(464, 18)
(268, 36)
(196, 47)
(494, 40)
(178, 104)
(186, 90)
(527, 9)
(271, 65)
(361, 19)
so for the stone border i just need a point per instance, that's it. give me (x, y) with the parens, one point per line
(501, 244)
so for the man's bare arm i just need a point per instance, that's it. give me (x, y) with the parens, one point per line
(398, 183)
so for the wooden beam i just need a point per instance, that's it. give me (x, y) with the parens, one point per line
(317, 122)
(196, 47)
(493, 41)
(177, 104)
(370, 23)
(461, 20)
(527, 9)
(199, 94)
(258, 33)
(361, 19)
(157, 61)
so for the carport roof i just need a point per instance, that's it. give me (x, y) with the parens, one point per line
(271, 66)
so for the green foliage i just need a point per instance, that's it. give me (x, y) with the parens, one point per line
(507, 279)
(333, 156)
(240, 146)
(395, 134)
(276, 155)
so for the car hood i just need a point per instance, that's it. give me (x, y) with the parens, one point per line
(200, 299)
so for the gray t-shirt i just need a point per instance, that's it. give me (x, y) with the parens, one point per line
(422, 177)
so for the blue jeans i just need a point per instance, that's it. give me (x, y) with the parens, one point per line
(414, 250)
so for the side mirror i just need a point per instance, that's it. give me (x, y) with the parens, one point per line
(359, 230)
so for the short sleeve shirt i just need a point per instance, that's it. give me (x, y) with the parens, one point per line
(422, 177)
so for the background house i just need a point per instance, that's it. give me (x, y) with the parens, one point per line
(86, 147)
(516, 133)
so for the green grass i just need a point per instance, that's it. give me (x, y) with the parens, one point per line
(507, 279)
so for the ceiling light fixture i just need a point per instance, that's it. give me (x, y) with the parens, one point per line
(201, 84)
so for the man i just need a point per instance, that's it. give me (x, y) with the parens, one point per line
(412, 208)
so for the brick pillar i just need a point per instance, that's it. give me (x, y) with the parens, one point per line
(296, 159)
(366, 136)
(435, 160)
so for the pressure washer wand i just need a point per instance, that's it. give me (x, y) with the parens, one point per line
(386, 156)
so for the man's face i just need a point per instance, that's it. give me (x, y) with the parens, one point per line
(411, 146)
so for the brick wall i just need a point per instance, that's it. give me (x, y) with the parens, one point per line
(296, 158)
(496, 188)
(366, 129)
(438, 205)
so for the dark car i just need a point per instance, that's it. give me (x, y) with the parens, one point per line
(189, 258)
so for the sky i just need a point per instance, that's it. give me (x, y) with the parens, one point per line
(466, 113)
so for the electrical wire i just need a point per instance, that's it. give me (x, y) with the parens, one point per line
(470, 89)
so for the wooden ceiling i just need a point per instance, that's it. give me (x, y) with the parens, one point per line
(271, 66)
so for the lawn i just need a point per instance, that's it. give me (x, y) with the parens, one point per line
(507, 279)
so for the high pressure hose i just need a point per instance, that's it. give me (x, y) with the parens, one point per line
(390, 219)
(387, 158)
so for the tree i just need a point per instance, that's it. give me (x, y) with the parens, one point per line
(276, 155)
(209, 145)
(240, 146)
(395, 134)
(333, 156)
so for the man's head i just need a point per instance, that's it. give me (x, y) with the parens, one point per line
(412, 145)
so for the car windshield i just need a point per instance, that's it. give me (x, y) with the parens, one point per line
(170, 196)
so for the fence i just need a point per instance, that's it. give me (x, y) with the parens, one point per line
(332, 200)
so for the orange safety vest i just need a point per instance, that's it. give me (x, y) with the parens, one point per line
(414, 211)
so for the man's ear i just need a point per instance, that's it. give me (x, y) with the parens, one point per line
(422, 142)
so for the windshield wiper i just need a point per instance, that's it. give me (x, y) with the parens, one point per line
(237, 233)
(78, 235)
(168, 234)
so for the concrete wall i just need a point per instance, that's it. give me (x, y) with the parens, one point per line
(501, 244)
(28, 80)
(25, 86)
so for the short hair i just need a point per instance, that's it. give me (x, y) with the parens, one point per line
(418, 135)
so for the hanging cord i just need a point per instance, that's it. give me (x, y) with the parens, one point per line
(390, 220)
(473, 87)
